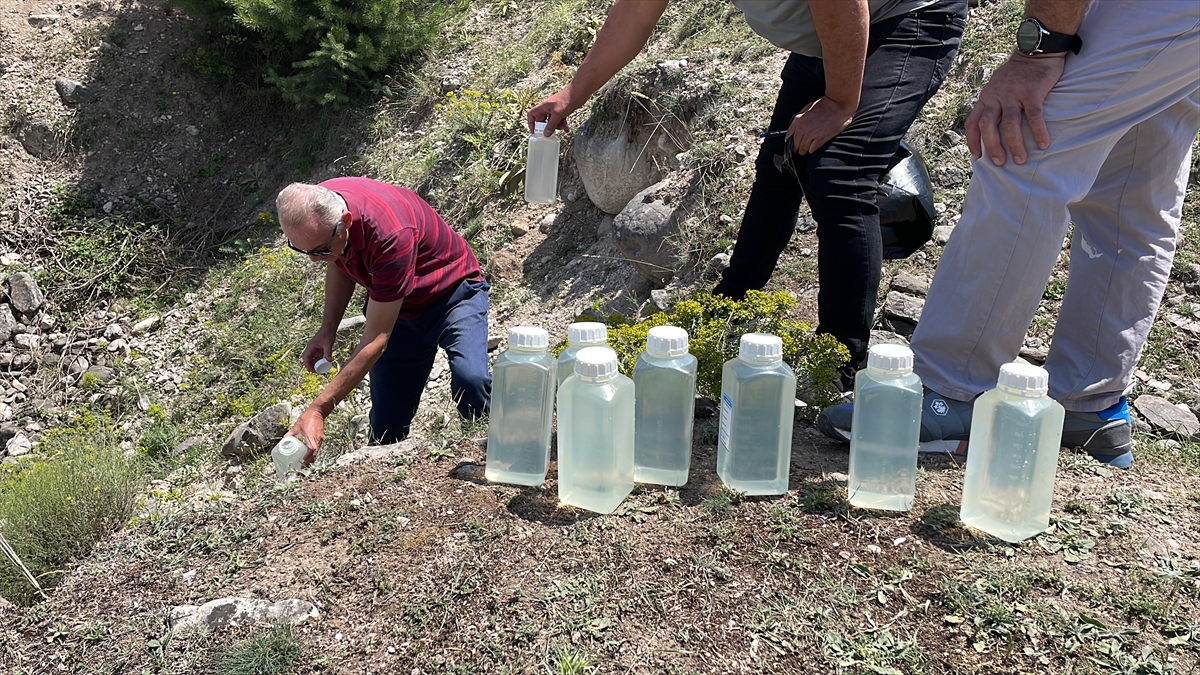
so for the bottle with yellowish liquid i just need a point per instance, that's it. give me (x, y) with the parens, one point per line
(885, 431)
(664, 380)
(1013, 455)
(541, 166)
(595, 433)
(758, 403)
(522, 409)
(579, 335)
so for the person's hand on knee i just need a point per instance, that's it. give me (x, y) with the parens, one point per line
(1017, 88)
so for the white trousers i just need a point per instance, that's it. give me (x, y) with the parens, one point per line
(1122, 120)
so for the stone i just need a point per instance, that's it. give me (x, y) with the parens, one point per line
(150, 323)
(24, 294)
(547, 223)
(70, 91)
(231, 612)
(885, 337)
(259, 432)
(616, 160)
(374, 453)
(7, 433)
(18, 445)
(184, 447)
(643, 231)
(26, 341)
(518, 230)
(119, 346)
(661, 299)
(494, 342)
(6, 412)
(113, 331)
(1163, 415)
(1034, 351)
(103, 373)
(719, 262)
(39, 139)
(911, 284)
(77, 365)
(8, 323)
(21, 361)
(903, 306)
(351, 323)
(42, 20)
(941, 234)
(605, 228)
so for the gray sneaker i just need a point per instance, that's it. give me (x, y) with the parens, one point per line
(945, 423)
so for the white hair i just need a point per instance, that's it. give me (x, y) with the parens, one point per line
(298, 202)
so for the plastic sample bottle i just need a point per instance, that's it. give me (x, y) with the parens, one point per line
(287, 455)
(664, 380)
(579, 335)
(522, 409)
(885, 431)
(1013, 454)
(595, 433)
(758, 402)
(541, 166)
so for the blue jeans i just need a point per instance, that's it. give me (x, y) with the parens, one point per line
(907, 58)
(457, 323)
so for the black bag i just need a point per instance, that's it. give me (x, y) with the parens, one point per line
(905, 198)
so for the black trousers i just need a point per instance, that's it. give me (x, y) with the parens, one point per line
(907, 59)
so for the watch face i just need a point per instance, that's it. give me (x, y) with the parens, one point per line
(1029, 34)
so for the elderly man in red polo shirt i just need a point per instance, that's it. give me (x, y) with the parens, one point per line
(424, 289)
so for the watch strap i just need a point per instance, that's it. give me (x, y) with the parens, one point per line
(1054, 43)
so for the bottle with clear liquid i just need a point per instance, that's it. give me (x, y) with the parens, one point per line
(522, 409)
(1012, 455)
(288, 454)
(885, 431)
(579, 335)
(541, 166)
(758, 402)
(664, 380)
(595, 433)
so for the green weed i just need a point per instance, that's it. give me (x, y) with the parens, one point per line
(272, 653)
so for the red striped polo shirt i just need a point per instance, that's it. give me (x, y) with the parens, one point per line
(400, 247)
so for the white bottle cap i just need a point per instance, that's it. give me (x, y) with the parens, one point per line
(1023, 379)
(539, 127)
(667, 341)
(322, 366)
(596, 364)
(291, 445)
(762, 347)
(587, 333)
(528, 337)
(890, 359)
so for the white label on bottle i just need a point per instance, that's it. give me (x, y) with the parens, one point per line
(726, 418)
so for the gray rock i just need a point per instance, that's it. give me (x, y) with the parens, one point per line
(351, 323)
(547, 223)
(113, 331)
(103, 373)
(8, 323)
(1162, 415)
(23, 293)
(518, 230)
(903, 306)
(147, 325)
(39, 139)
(229, 612)
(616, 161)
(184, 447)
(6, 359)
(21, 361)
(6, 412)
(374, 453)
(804, 223)
(18, 445)
(1035, 354)
(661, 299)
(42, 20)
(7, 433)
(605, 228)
(77, 365)
(643, 232)
(941, 234)
(259, 432)
(70, 91)
(119, 346)
(911, 284)
(884, 337)
(26, 341)
(494, 342)
(719, 262)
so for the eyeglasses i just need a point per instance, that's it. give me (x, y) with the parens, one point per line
(327, 249)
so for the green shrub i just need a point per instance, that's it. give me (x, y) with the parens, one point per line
(53, 512)
(715, 325)
(271, 654)
(323, 51)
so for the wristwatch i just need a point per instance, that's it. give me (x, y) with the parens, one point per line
(1033, 38)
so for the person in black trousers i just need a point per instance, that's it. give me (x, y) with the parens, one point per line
(859, 73)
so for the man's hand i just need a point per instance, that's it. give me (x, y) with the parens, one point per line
(817, 124)
(1019, 87)
(310, 428)
(554, 110)
(320, 347)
